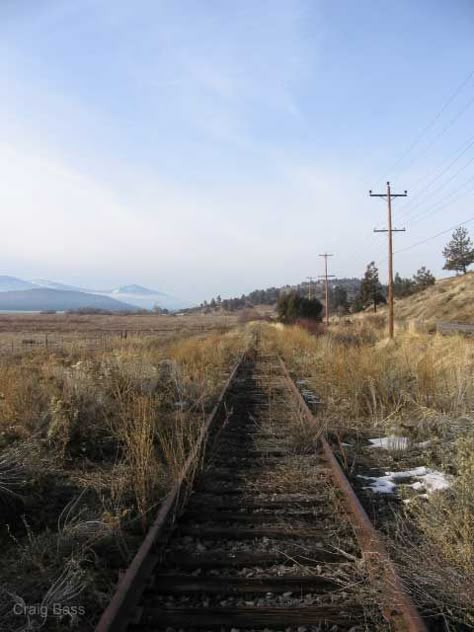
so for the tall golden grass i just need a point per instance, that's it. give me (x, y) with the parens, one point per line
(416, 385)
(90, 442)
(413, 377)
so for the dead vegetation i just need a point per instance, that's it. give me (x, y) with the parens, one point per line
(449, 300)
(91, 441)
(420, 387)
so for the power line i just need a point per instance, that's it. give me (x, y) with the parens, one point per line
(443, 232)
(433, 179)
(427, 127)
(441, 186)
(445, 129)
(443, 202)
(455, 156)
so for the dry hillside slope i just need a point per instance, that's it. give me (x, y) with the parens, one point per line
(450, 300)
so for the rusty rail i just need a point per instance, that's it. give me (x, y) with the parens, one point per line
(120, 610)
(400, 608)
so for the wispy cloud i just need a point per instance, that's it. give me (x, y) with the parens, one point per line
(148, 141)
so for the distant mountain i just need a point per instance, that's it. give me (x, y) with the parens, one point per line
(132, 294)
(41, 299)
(54, 285)
(145, 297)
(136, 289)
(9, 283)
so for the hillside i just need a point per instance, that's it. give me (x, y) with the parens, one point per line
(42, 299)
(450, 300)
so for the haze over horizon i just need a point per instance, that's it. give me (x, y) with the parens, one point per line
(203, 148)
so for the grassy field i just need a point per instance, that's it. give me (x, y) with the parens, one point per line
(20, 333)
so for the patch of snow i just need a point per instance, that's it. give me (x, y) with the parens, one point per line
(389, 443)
(380, 484)
(433, 481)
(393, 442)
(416, 472)
(428, 481)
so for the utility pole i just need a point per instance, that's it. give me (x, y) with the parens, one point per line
(389, 196)
(310, 280)
(326, 286)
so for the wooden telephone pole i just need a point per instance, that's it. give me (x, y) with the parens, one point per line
(326, 286)
(389, 196)
(310, 280)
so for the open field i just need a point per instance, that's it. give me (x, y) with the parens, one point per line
(97, 324)
(93, 437)
(20, 332)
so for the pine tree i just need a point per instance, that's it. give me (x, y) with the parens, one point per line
(423, 279)
(402, 286)
(459, 252)
(339, 299)
(291, 307)
(370, 288)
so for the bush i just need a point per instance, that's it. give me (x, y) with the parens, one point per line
(292, 307)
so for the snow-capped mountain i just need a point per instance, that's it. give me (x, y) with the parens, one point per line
(54, 285)
(132, 294)
(139, 290)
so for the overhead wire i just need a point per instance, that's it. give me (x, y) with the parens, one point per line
(443, 232)
(443, 202)
(435, 206)
(459, 88)
(458, 154)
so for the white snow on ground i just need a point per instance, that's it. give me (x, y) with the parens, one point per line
(427, 481)
(393, 442)
(389, 443)
(432, 481)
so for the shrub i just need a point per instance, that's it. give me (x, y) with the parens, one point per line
(292, 307)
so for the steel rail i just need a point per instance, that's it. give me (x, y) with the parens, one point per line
(120, 610)
(400, 608)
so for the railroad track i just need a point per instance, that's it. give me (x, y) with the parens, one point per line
(272, 536)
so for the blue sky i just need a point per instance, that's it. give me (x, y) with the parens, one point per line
(205, 147)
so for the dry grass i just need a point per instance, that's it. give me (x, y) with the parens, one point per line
(449, 300)
(22, 334)
(91, 441)
(437, 557)
(418, 386)
(414, 380)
